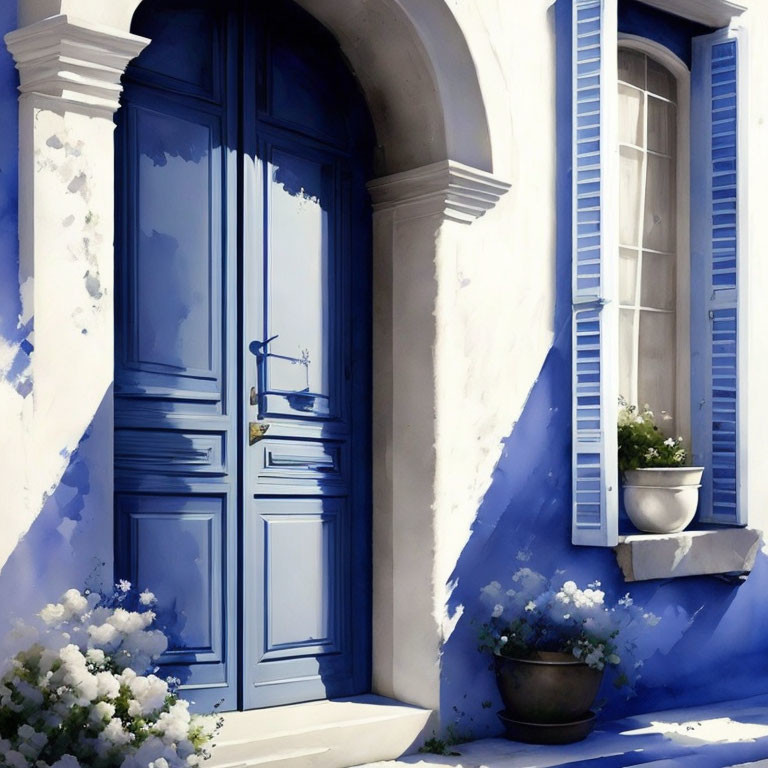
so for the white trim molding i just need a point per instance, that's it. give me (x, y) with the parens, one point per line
(457, 191)
(74, 61)
(713, 13)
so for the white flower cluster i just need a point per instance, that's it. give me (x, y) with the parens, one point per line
(77, 694)
(588, 598)
(536, 614)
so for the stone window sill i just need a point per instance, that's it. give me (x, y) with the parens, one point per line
(730, 551)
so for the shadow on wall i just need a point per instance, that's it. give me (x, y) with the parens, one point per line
(70, 542)
(14, 347)
(712, 641)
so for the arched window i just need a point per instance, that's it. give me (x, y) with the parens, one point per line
(653, 264)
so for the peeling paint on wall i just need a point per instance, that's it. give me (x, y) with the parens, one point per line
(14, 360)
(69, 542)
(53, 387)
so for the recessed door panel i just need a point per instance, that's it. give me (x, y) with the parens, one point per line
(303, 549)
(304, 630)
(299, 296)
(174, 250)
(186, 578)
(171, 338)
(189, 37)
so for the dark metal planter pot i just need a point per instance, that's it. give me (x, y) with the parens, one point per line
(548, 733)
(552, 689)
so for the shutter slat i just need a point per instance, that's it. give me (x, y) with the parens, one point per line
(718, 271)
(594, 268)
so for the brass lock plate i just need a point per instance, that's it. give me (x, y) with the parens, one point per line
(256, 430)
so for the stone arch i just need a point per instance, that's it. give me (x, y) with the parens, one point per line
(422, 86)
(418, 75)
(412, 60)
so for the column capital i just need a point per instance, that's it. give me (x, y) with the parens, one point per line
(456, 191)
(73, 61)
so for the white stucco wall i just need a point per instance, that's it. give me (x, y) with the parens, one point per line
(67, 214)
(495, 302)
(464, 313)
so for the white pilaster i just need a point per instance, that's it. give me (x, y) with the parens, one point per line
(69, 72)
(418, 215)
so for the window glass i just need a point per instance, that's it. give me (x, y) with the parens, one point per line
(647, 232)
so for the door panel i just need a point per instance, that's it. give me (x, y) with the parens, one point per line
(174, 288)
(243, 275)
(300, 634)
(187, 58)
(176, 404)
(299, 640)
(301, 538)
(188, 575)
(301, 324)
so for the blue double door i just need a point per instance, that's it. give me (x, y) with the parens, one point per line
(242, 373)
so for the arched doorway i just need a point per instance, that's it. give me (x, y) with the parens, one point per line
(242, 373)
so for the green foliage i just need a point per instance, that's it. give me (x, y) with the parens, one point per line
(642, 445)
(435, 746)
(438, 746)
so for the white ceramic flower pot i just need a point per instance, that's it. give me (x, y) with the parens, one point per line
(662, 500)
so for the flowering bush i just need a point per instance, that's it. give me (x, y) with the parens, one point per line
(537, 615)
(78, 695)
(642, 444)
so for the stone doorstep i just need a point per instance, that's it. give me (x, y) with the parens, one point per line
(732, 734)
(321, 734)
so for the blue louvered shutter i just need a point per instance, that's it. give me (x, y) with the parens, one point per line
(594, 273)
(718, 269)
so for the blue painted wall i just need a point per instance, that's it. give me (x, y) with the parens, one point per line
(10, 304)
(712, 642)
(12, 331)
(671, 31)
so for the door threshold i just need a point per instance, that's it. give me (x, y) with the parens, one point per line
(334, 733)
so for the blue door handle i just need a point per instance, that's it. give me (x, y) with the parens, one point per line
(259, 348)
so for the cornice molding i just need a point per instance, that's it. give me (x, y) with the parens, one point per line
(713, 13)
(457, 191)
(73, 61)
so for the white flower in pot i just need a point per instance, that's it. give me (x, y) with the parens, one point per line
(550, 641)
(661, 493)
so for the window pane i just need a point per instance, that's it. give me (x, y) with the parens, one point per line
(656, 362)
(630, 181)
(627, 377)
(659, 225)
(658, 290)
(627, 276)
(662, 126)
(661, 81)
(632, 67)
(647, 232)
(631, 117)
